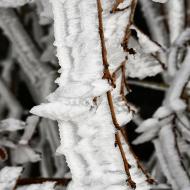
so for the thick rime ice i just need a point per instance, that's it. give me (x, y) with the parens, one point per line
(86, 129)
(143, 62)
(8, 177)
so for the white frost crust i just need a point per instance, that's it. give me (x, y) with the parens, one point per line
(86, 129)
(89, 148)
(142, 65)
(147, 45)
(114, 30)
(8, 177)
(167, 142)
(173, 99)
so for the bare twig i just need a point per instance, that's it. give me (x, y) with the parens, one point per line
(29, 181)
(109, 95)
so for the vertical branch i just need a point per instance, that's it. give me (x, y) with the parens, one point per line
(126, 166)
(124, 84)
(109, 95)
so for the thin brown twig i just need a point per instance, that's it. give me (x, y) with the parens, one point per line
(107, 74)
(123, 82)
(149, 179)
(115, 6)
(131, 183)
(29, 181)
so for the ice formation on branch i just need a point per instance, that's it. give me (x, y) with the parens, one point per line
(89, 110)
(144, 62)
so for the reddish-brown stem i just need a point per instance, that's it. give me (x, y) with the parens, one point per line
(115, 6)
(112, 111)
(149, 179)
(107, 74)
(125, 47)
(130, 182)
(109, 96)
(124, 84)
(29, 181)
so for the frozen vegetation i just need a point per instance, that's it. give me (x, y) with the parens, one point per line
(75, 133)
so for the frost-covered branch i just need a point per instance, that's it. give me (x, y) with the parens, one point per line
(89, 111)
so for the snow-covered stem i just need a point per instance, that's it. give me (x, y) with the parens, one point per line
(107, 75)
(178, 44)
(172, 158)
(155, 22)
(94, 101)
(163, 163)
(179, 82)
(14, 106)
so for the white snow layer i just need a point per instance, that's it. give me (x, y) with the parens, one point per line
(8, 177)
(86, 129)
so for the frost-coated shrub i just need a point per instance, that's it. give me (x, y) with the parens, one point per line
(101, 50)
